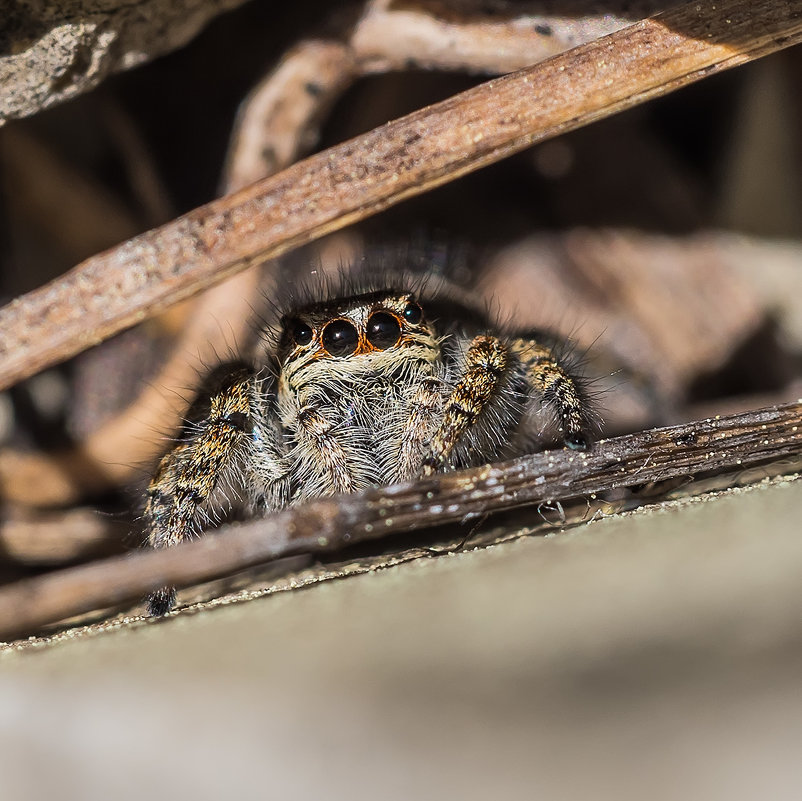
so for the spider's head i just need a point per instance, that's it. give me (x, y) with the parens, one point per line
(366, 330)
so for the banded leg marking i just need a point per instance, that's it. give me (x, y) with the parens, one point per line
(485, 365)
(558, 389)
(189, 474)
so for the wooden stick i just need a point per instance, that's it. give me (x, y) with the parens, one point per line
(358, 178)
(692, 449)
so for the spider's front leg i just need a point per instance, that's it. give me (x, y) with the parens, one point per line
(551, 381)
(181, 495)
(486, 362)
(489, 362)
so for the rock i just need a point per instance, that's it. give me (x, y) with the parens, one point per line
(52, 50)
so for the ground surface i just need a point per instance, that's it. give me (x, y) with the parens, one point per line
(655, 654)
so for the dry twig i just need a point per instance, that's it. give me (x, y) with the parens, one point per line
(479, 36)
(358, 178)
(718, 444)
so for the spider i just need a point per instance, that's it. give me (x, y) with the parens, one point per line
(363, 389)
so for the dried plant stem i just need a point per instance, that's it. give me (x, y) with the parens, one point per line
(361, 177)
(434, 35)
(280, 119)
(692, 449)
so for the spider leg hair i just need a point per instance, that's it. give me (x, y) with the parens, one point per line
(192, 480)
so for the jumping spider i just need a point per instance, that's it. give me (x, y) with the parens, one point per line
(364, 389)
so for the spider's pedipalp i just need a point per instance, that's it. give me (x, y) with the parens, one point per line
(485, 365)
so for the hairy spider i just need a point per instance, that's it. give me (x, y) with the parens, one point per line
(364, 389)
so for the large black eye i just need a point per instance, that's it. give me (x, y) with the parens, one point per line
(383, 330)
(340, 338)
(413, 313)
(301, 333)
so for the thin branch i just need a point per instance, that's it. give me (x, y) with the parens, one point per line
(356, 179)
(692, 449)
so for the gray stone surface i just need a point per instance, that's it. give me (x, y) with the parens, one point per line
(51, 50)
(650, 655)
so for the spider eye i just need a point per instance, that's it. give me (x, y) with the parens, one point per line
(413, 313)
(301, 333)
(383, 330)
(340, 338)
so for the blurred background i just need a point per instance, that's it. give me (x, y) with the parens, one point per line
(655, 653)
